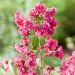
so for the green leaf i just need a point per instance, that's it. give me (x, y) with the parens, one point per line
(42, 41)
(52, 61)
(35, 42)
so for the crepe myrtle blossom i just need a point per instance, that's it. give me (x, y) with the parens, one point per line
(68, 67)
(42, 22)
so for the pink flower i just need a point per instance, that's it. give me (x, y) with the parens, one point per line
(44, 30)
(25, 41)
(38, 9)
(23, 23)
(24, 66)
(28, 24)
(19, 19)
(50, 13)
(25, 51)
(68, 67)
(53, 22)
(21, 49)
(59, 52)
(24, 31)
(43, 20)
(46, 72)
(5, 65)
(31, 54)
(73, 54)
(51, 44)
(1, 63)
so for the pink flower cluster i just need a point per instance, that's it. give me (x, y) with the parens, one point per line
(43, 23)
(25, 66)
(68, 67)
(52, 48)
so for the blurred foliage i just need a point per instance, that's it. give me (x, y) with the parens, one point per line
(68, 18)
(67, 21)
(8, 31)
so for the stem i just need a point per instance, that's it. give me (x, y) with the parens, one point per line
(41, 67)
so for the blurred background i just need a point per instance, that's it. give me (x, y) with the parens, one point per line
(65, 31)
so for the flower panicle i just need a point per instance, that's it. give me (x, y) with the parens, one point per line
(42, 23)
